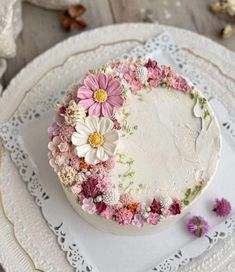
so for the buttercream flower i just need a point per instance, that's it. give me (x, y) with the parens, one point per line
(90, 189)
(100, 207)
(123, 216)
(111, 197)
(54, 129)
(74, 162)
(67, 175)
(108, 213)
(156, 206)
(175, 208)
(153, 218)
(88, 205)
(125, 199)
(197, 226)
(100, 94)
(222, 207)
(95, 139)
(137, 221)
(74, 113)
(65, 133)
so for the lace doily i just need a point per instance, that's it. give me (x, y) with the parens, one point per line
(29, 173)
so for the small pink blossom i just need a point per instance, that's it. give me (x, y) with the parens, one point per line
(76, 188)
(179, 83)
(75, 162)
(63, 147)
(137, 221)
(66, 132)
(222, 207)
(123, 216)
(103, 184)
(153, 218)
(88, 205)
(109, 164)
(130, 78)
(125, 199)
(166, 212)
(106, 104)
(108, 213)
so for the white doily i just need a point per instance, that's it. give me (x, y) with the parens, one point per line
(142, 33)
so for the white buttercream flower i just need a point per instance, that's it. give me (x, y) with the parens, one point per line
(95, 139)
(111, 197)
(74, 113)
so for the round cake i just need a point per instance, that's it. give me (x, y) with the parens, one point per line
(133, 145)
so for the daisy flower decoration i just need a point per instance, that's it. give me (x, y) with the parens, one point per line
(95, 139)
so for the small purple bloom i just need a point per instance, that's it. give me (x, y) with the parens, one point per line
(198, 226)
(222, 207)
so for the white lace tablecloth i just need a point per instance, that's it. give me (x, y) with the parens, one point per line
(27, 244)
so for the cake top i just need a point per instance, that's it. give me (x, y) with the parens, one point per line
(134, 142)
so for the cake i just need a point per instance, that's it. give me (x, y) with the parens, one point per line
(134, 144)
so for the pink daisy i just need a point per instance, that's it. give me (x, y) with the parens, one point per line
(100, 94)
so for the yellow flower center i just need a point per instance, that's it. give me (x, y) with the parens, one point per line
(96, 139)
(100, 96)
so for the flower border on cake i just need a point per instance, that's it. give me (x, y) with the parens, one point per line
(85, 134)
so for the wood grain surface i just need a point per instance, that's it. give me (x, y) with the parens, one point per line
(42, 28)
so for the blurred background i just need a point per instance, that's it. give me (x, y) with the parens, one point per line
(43, 28)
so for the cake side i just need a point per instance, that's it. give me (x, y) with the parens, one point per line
(133, 143)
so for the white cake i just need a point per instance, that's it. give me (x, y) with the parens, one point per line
(134, 145)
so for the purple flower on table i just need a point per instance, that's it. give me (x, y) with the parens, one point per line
(222, 207)
(100, 94)
(153, 218)
(198, 226)
(88, 205)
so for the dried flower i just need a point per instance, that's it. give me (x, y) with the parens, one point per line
(123, 216)
(67, 175)
(227, 31)
(197, 226)
(222, 207)
(76, 10)
(72, 20)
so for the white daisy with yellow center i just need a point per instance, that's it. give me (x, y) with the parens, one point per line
(95, 139)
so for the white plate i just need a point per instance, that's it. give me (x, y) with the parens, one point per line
(94, 246)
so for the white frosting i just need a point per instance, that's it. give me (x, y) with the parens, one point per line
(172, 149)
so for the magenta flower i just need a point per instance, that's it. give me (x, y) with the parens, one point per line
(90, 189)
(222, 207)
(100, 207)
(156, 207)
(153, 218)
(100, 94)
(198, 226)
(123, 216)
(175, 208)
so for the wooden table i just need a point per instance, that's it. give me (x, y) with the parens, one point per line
(42, 28)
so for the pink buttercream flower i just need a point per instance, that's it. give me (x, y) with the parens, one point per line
(103, 184)
(123, 216)
(197, 226)
(66, 132)
(137, 221)
(175, 208)
(100, 207)
(74, 162)
(152, 218)
(100, 94)
(109, 164)
(88, 205)
(125, 199)
(222, 207)
(90, 189)
(54, 129)
(108, 213)
(130, 78)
